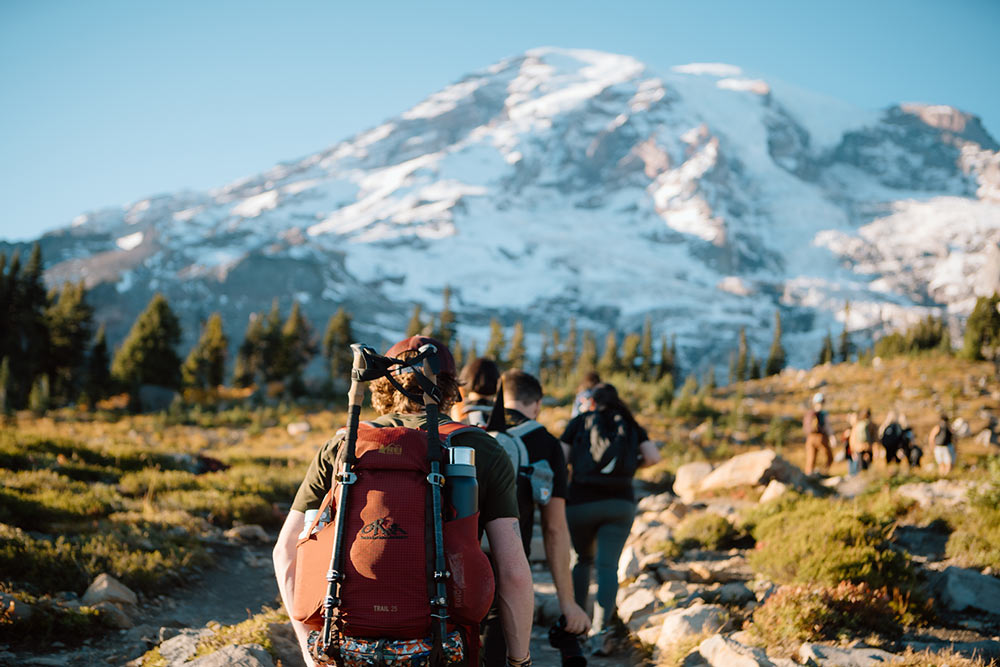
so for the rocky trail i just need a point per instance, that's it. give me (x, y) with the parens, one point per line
(695, 602)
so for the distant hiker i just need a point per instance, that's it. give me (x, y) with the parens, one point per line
(584, 399)
(534, 448)
(942, 440)
(478, 387)
(604, 448)
(892, 439)
(379, 538)
(819, 434)
(863, 438)
(912, 452)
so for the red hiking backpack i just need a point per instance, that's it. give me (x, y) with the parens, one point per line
(388, 578)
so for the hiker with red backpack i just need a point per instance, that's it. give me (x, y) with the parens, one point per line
(379, 560)
(604, 447)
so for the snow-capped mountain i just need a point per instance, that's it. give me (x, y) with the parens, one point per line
(570, 183)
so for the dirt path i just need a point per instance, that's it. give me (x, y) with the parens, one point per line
(238, 586)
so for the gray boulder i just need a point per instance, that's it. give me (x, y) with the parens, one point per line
(962, 589)
(689, 621)
(251, 655)
(688, 479)
(719, 651)
(751, 469)
(640, 602)
(106, 588)
(179, 648)
(834, 656)
(114, 615)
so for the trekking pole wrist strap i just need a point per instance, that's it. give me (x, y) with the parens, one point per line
(523, 662)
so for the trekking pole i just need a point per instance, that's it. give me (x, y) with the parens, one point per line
(345, 478)
(439, 599)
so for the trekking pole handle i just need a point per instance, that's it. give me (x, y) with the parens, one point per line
(356, 393)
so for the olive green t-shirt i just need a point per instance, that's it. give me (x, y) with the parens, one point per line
(494, 472)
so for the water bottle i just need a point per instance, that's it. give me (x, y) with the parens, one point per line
(461, 487)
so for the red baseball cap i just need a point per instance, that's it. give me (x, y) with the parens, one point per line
(414, 343)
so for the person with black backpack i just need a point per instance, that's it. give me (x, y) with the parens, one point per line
(405, 580)
(477, 384)
(941, 439)
(894, 446)
(604, 447)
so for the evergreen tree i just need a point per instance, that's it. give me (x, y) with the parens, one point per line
(754, 368)
(472, 352)
(99, 368)
(666, 365)
(515, 356)
(630, 353)
(69, 320)
(415, 326)
(844, 352)
(733, 372)
(457, 354)
(982, 330)
(205, 365)
(4, 382)
(445, 329)
(544, 368)
(569, 351)
(24, 334)
(709, 382)
(248, 363)
(646, 351)
(609, 362)
(555, 358)
(588, 354)
(742, 357)
(776, 355)
(674, 359)
(271, 349)
(297, 349)
(826, 352)
(497, 342)
(337, 340)
(148, 356)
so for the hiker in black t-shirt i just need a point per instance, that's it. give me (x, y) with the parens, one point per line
(604, 448)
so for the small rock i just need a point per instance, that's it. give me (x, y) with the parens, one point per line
(946, 492)
(693, 620)
(14, 608)
(167, 633)
(734, 593)
(107, 588)
(774, 489)
(751, 469)
(822, 655)
(673, 514)
(671, 590)
(247, 533)
(628, 563)
(656, 503)
(114, 614)
(640, 602)
(298, 428)
(719, 651)
(960, 428)
(250, 655)
(665, 573)
(713, 571)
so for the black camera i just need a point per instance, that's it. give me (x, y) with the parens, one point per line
(568, 644)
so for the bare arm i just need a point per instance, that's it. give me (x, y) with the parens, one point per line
(650, 452)
(933, 436)
(284, 571)
(555, 534)
(514, 586)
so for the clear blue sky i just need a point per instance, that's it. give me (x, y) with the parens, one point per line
(103, 103)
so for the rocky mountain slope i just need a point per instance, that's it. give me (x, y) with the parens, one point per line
(569, 183)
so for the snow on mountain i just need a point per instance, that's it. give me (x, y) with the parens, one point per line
(570, 183)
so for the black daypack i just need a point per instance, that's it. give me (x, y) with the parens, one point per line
(943, 437)
(892, 436)
(605, 451)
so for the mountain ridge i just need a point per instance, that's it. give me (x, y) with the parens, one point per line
(573, 183)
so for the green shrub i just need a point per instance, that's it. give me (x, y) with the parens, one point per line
(975, 540)
(34, 498)
(705, 530)
(818, 613)
(142, 482)
(49, 622)
(220, 507)
(818, 541)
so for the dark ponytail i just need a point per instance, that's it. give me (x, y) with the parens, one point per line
(607, 401)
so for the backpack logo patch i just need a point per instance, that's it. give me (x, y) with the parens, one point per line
(383, 529)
